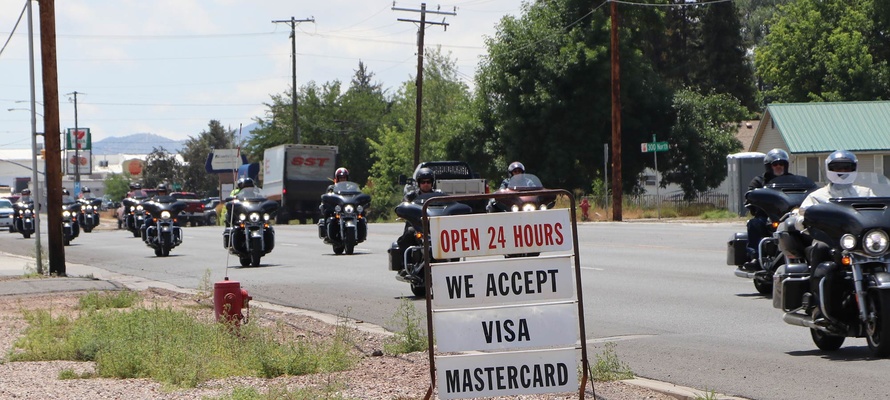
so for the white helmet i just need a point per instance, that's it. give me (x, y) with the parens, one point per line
(840, 167)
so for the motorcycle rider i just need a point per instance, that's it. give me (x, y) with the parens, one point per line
(775, 164)
(24, 198)
(340, 175)
(426, 179)
(85, 193)
(245, 189)
(840, 168)
(515, 168)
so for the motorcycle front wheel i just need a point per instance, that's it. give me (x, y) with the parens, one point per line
(338, 249)
(824, 341)
(877, 308)
(418, 290)
(350, 248)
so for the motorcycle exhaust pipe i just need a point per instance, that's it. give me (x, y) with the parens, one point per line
(803, 320)
(744, 274)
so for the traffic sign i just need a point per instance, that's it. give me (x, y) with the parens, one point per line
(654, 147)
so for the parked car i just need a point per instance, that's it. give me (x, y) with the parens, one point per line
(6, 214)
(210, 215)
(108, 203)
(194, 210)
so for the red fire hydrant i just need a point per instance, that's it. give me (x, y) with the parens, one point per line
(228, 301)
(585, 207)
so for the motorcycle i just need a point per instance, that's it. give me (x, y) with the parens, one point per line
(24, 218)
(517, 184)
(135, 215)
(88, 218)
(852, 297)
(250, 237)
(162, 232)
(345, 225)
(406, 254)
(70, 227)
(782, 194)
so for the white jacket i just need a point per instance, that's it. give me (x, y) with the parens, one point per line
(829, 191)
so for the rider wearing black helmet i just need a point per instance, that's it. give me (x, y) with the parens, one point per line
(775, 164)
(426, 183)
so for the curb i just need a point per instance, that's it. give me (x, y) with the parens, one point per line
(679, 392)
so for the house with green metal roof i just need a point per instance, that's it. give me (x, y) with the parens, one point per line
(811, 131)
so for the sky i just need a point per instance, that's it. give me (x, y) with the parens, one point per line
(168, 67)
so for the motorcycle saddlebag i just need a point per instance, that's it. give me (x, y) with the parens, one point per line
(226, 234)
(737, 249)
(396, 263)
(322, 229)
(790, 282)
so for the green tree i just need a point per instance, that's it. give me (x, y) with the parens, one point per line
(821, 50)
(194, 154)
(701, 137)
(161, 166)
(117, 185)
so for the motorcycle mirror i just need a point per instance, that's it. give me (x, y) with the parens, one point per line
(403, 179)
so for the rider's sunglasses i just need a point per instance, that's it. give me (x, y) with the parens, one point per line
(425, 181)
(774, 163)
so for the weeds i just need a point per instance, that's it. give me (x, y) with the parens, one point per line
(709, 395)
(608, 367)
(411, 337)
(102, 300)
(70, 374)
(205, 289)
(282, 393)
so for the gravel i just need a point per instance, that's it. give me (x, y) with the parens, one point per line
(400, 377)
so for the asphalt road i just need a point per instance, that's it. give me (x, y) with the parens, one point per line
(662, 291)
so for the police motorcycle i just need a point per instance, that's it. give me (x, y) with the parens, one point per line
(162, 231)
(88, 218)
(783, 194)
(23, 221)
(249, 236)
(848, 296)
(344, 225)
(70, 209)
(406, 254)
(517, 184)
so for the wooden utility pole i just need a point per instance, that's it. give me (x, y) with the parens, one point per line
(616, 118)
(293, 55)
(51, 138)
(422, 23)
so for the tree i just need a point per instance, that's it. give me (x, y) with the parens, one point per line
(161, 166)
(701, 137)
(117, 185)
(821, 50)
(194, 154)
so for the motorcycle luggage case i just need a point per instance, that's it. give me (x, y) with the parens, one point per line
(396, 263)
(790, 282)
(737, 249)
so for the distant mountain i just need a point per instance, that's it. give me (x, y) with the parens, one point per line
(139, 143)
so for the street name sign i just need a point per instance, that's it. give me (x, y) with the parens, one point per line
(654, 147)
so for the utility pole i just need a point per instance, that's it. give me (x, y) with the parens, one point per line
(422, 23)
(616, 119)
(293, 55)
(35, 182)
(51, 137)
(76, 149)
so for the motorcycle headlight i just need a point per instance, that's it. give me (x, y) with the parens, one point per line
(139, 208)
(132, 208)
(27, 212)
(242, 217)
(543, 207)
(165, 214)
(360, 209)
(337, 209)
(89, 208)
(848, 242)
(515, 208)
(66, 213)
(528, 207)
(254, 217)
(265, 217)
(350, 209)
(875, 242)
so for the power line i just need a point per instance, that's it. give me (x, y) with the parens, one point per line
(8, 39)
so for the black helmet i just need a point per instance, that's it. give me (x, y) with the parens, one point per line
(516, 165)
(774, 156)
(26, 192)
(135, 186)
(342, 174)
(245, 182)
(85, 190)
(65, 192)
(425, 173)
(841, 167)
(162, 188)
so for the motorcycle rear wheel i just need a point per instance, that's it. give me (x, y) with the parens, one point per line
(824, 341)
(764, 288)
(877, 328)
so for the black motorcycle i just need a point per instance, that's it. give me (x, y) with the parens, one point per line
(250, 236)
(162, 231)
(406, 254)
(517, 185)
(849, 296)
(70, 228)
(134, 218)
(88, 218)
(344, 225)
(783, 194)
(23, 221)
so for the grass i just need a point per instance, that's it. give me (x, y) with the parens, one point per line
(171, 346)
(103, 300)
(411, 336)
(282, 393)
(608, 367)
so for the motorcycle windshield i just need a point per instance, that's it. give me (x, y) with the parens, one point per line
(413, 211)
(344, 193)
(346, 188)
(524, 182)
